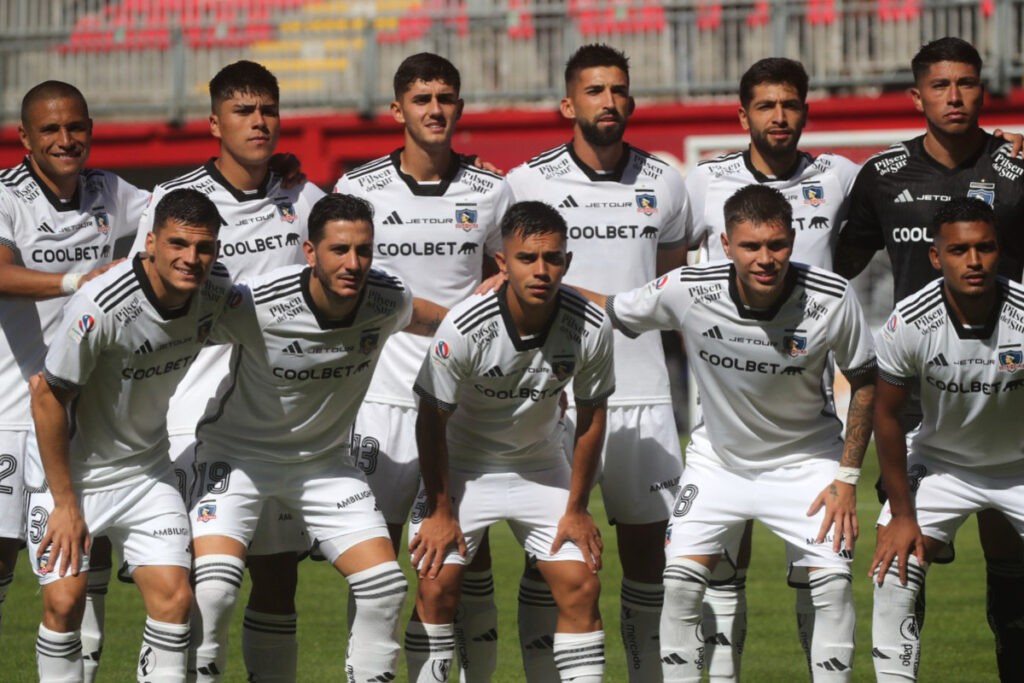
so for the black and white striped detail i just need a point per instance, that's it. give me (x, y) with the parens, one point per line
(820, 281)
(437, 647)
(576, 304)
(379, 278)
(568, 659)
(163, 639)
(651, 599)
(536, 597)
(281, 626)
(46, 647)
(921, 304)
(679, 572)
(60, 383)
(218, 571)
(478, 587)
(378, 164)
(1013, 295)
(721, 159)
(466, 163)
(548, 156)
(485, 310)
(709, 274)
(15, 176)
(119, 290)
(493, 372)
(383, 585)
(288, 285)
(187, 180)
(433, 400)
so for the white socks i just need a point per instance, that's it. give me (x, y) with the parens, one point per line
(429, 649)
(476, 628)
(639, 623)
(164, 652)
(269, 648)
(373, 646)
(218, 578)
(895, 637)
(682, 645)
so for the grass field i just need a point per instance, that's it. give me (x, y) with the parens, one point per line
(957, 644)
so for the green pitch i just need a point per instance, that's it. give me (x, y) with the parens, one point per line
(957, 644)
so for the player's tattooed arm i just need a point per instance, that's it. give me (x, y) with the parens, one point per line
(66, 533)
(439, 529)
(16, 280)
(576, 524)
(850, 260)
(839, 498)
(902, 535)
(426, 317)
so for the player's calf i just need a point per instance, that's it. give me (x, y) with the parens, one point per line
(373, 646)
(724, 613)
(165, 639)
(430, 634)
(578, 644)
(682, 645)
(834, 623)
(537, 619)
(94, 615)
(218, 577)
(895, 637)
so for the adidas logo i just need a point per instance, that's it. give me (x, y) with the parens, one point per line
(904, 197)
(542, 643)
(489, 637)
(939, 360)
(712, 333)
(494, 372)
(673, 659)
(146, 347)
(878, 654)
(293, 349)
(718, 639)
(45, 227)
(568, 203)
(832, 665)
(385, 677)
(393, 219)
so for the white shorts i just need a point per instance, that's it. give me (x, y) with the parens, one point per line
(12, 484)
(327, 497)
(642, 460)
(714, 504)
(944, 496)
(146, 522)
(531, 502)
(384, 449)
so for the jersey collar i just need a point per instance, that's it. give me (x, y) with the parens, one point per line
(147, 289)
(537, 340)
(917, 146)
(433, 189)
(55, 202)
(323, 321)
(614, 177)
(260, 193)
(768, 313)
(983, 332)
(762, 178)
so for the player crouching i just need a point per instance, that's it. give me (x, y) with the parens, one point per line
(960, 337)
(129, 336)
(503, 359)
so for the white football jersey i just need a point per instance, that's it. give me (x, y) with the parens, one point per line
(818, 190)
(260, 231)
(617, 222)
(506, 387)
(125, 354)
(53, 236)
(758, 371)
(433, 236)
(298, 378)
(972, 379)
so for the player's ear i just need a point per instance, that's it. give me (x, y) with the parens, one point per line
(744, 121)
(309, 250)
(725, 244)
(396, 111)
(499, 259)
(568, 111)
(933, 256)
(915, 95)
(215, 126)
(23, 136)
(631, 107)
(151, 244)
(568, 262)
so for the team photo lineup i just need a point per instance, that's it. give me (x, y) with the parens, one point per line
(209, 383)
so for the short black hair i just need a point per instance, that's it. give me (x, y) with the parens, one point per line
(337, 207)
(594, 54)
(189, 207)
(948, 49)
(757, 204)
(243, 77)
(774, 70)
(532, 218)
(962, 210)
(50, 90)
(426, 67)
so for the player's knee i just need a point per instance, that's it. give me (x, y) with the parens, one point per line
(831, 588)
(173, 603)
(438, 597)
(685, 581)
(63, 608)
(577, 592)
(275, 579)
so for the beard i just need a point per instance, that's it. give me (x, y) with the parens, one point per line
(768, 150)
(598, 136)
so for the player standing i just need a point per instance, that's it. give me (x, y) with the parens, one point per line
(961, 338)
(128, 338)
(894, 201)
(627, 214)
(306, 343)
(773, 108)
(438, 227)
(59, 227)
(265, 226)
(503, 359)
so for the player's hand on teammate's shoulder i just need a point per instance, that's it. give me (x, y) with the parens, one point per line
(1016, 138)
(579, 527)
(491, 284)
(288, 166)
(840, 502)
(485, 165)
(897, 540)
(438, 532)
(99, 270)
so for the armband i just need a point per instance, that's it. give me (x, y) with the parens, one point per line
(848, 475)
(70, 283)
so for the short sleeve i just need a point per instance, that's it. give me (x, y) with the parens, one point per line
(594, 381)
(146, 221)
(344, 186)
(8, 221)
(675, 229)
(502, 200)
(896, 362)
(849, 336)
(696, 194)
(133, 202)
(443, 368)
(863, 228)
(238, 322)
(404, 313)
(658, 305)
(76, 346)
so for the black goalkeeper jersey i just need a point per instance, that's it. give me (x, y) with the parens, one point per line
(899, 190)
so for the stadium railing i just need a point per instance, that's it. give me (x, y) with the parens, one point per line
(137, 58)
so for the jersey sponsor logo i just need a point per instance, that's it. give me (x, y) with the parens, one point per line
(128, 312)
(235, 298)
(814, 193)
(904, 197)
(376, 180)
(442, 350)
(705, 293)
(287, 310)
(568, 203)
(556, 169)
(45, 227)
(1005, 167)
(1011, 360)
(393, 219)
(939, 361)
(890, 164)
(43, 566)
(69, 255)
(423, 248)
(485, 334)
(287, 212)
(144, 347)
(329, 372)
(968, 387)
(713, 333)
(911, 234)
(563, 369)
(466, 218)
(816, 223)
(666, 485)
(354, 498)
(206, 512)
(258, 245)
(795, 345)
(468, 248)
(172, 531)
(519, 393)
(369, 341)
(292, 349)
(610, 232)
(102, 222)
(81, 328)
(380, 302)
(646, 203)
(179, 364)
(986, 192)
(745, 364)
(661, 281)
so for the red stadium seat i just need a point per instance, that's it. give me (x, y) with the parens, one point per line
(709, 15)
(523, 28)
(616, 16)
(821, 11)
(760, 15)
(898, 10)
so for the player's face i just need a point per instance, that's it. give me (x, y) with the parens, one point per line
(181, 256)
(341, 260)
(247, 125)
(950, 96)
(775, 118)
(760, 253)
(967, 254)
(533, 266)
(599, 103)
(57, 137)
(428, 110)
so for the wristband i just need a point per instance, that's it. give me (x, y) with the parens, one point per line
(848, 475)
(70, 283)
